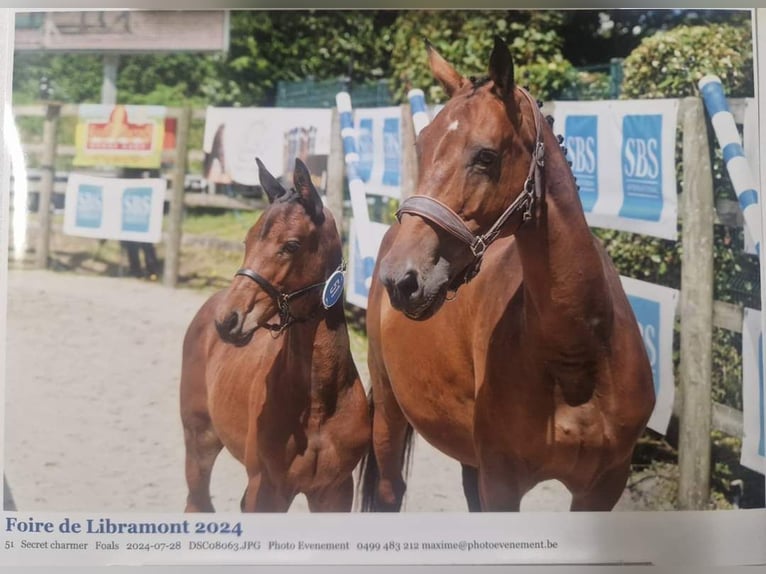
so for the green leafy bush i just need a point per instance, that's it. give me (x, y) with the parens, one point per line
(465, 39)
(669, 64)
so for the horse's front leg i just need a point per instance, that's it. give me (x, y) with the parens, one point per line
(604, 492)
(263, 495)
(339, 498)
(500, 487)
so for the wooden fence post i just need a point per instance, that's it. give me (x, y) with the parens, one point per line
(176, 215)
(335, 170)
(47, 179)
(696, 311)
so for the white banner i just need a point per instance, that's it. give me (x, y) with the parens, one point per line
(655, 310)
(360, 268)
(607, 538)
(753, 399)
(378, 143)
(109, 208)
(623, 156)
(234, 137)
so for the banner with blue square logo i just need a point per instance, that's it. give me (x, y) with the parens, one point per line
(89, 206)
(623, 158)
(655, 308)
(378, 141)
(582, 144)
(361, 265)
(753, 394)
(111, 208)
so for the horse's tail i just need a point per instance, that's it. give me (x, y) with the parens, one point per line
(369, 476)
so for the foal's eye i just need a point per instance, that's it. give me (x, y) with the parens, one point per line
(485, 158)
(291, 247)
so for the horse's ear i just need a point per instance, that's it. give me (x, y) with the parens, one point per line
(443, 71)
(269, 183)
(310, 198)
(501, 69)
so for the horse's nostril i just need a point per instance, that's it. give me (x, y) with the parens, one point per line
(408, 284)
(229, 325)
(401, 289)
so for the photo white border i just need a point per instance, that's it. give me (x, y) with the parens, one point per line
(696, 538)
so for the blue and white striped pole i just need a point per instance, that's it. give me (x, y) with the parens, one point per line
(355, 184)
(420, 118)
(733, 155)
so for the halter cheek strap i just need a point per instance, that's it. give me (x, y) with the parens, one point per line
(442, 215)
(286, 318)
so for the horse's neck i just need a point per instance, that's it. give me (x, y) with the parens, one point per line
(318, 348)
(563, 270)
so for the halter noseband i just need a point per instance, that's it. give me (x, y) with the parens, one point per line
(286, 318)
(437, 212)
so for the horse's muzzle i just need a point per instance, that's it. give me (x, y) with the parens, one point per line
(231, 329)
(409, 295)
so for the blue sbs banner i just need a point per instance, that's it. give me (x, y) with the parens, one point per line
(110, 208)
(360, 264)
(655, 307)
(623, 156)
(378, 143)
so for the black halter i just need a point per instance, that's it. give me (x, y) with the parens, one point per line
(437, 212)
(286, 318)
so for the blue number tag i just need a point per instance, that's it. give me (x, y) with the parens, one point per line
(333, 289)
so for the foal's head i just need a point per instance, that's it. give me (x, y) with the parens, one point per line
(473, 158)
(289, 253)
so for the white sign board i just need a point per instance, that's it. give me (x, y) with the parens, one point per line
(108, 208)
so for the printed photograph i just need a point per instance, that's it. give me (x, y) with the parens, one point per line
(384, 261)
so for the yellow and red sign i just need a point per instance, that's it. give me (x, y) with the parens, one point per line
(120, 135)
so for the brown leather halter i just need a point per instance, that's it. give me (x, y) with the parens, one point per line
(286, 318)
(445, 217)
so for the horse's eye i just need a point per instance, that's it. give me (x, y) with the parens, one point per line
(485, 158)
(291, 247)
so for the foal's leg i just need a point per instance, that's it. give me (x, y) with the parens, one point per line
(391, 433)
(336, 499)
(202, 448)
(605, 492)
(471, 487)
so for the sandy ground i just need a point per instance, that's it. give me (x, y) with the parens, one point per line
(91, 394)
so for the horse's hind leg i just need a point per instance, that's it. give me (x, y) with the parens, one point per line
(471, 487)
(202, 448)
(605, 492)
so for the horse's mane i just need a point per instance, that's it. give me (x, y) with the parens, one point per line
(477, 83)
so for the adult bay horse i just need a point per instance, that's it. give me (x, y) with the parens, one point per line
(267, 368)
(537, 369)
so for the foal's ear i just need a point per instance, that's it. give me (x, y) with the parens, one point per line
(501, 70)
(310, 198)
(443, 71)
(269, 183)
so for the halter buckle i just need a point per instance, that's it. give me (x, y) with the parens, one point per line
(540, 154)
(478, 247)
(527, 215)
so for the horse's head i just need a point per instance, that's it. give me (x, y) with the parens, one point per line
(289, 253)
(474, 162)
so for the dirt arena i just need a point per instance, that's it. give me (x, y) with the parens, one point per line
(91, 398)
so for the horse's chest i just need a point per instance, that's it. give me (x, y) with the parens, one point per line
(434, 386)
